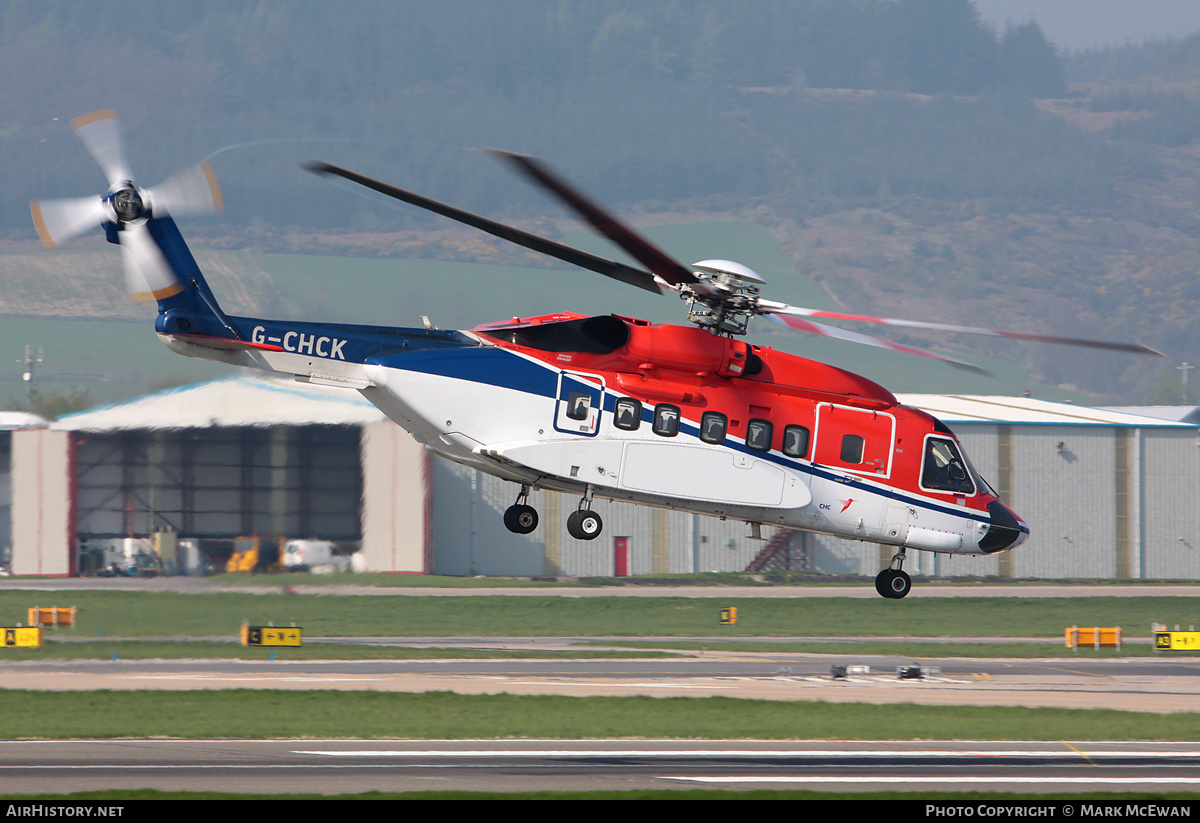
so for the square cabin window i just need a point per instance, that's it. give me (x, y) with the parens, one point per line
(758, 435)
(579, 403)
(713, 426)
(795, 440)
(666, 420)
(852, 448)
(628, 414)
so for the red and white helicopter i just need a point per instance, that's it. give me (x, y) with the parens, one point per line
(683, 417)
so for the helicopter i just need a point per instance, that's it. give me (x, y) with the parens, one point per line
(689, 417)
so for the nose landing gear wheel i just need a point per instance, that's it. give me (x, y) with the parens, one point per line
(893, 583)
(585, 525)
(520, 519)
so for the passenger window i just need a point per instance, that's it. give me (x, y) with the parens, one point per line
(628, 414)
(713, 426)
(795, 441)
(579, 403)
(944, 469)
(852, 448)
(758, 435)
(666, 420)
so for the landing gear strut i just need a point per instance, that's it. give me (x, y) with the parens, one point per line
(585, 524)
(892, 582)
(521, 518)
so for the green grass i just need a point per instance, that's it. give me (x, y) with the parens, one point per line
(54, 649)
(254, 714)
(220, 615)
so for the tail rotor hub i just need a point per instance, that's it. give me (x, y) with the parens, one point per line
(127, 204)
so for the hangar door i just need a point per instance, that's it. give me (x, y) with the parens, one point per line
(298, 482)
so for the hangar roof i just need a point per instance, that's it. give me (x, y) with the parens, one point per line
(1026, 410)
(21, 420)
(1180, 414)
(232, 401)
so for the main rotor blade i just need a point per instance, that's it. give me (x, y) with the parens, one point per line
(770, 307)
(100, 132)
(800, 324)
(609, 268)
(639, 247)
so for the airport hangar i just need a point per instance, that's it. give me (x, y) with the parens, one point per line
(1108, 493)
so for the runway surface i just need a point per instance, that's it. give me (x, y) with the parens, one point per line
(1150, 684)
(1133, 684)
(352, 766)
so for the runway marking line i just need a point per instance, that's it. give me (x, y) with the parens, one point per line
(1091, 781)
(724, 752)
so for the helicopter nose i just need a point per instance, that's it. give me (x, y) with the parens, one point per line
(1007, 531)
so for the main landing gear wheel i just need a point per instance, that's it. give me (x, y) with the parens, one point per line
(520, 519)
(893, 583)
(585, 525)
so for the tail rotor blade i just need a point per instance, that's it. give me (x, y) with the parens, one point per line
(148, 275)
(194, 190)
(57, 221)
(100, 132)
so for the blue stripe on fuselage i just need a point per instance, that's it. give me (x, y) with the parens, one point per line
(505, 369)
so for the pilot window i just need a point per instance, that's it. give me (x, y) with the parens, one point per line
(852, 448)
(944, 469)
(579, 403)
(628, 414)
(758, 435)
(795, 441)
(666, 420)
(713, 426)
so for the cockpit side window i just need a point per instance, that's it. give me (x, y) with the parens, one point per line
(944, 469)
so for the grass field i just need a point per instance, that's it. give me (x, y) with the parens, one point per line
(220, 615)
(253, 713)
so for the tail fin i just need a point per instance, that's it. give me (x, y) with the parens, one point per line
(156, 251)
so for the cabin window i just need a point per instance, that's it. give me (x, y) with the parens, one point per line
(852, 448)
(713, 426)
(666, 420)
(579, 404)
(758, 435)
(628, 414)
(944, 469)
(795, 440)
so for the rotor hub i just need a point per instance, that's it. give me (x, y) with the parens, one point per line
(127, 204)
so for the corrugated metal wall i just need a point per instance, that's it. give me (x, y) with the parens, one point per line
(1170, 505)
(470, 538)
(1064, 488)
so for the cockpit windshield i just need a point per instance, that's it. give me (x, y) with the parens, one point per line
(944, 468)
